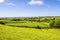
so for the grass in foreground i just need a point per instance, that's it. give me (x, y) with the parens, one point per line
(17, 33)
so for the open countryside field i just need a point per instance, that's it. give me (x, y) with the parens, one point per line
(16, 33)
(29, 19)
(30, 28)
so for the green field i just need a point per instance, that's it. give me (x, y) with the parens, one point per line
(28, 24)
(19, 33)
(35, 28)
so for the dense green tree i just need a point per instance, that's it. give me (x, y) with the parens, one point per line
(57, 23)
(52, 22)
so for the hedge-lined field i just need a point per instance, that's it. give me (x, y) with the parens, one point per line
(28, 24)
(39, 22)
(34, 28)
(18, 33)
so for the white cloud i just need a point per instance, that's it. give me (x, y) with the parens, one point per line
(10, 4)
(2, 1)
(6, 2)
(33, 2)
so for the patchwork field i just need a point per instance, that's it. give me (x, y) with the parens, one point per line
(19, 33)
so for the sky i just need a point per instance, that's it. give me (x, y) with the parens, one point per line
(29, 8)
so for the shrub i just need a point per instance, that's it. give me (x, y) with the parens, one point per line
(38, 27)
(2, 22)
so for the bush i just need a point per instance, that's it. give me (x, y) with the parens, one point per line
(2, 22)
(38, 27)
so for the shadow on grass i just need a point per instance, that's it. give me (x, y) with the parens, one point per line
(37, 27)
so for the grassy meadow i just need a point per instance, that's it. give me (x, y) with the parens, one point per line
(30, 28)
(15, 33)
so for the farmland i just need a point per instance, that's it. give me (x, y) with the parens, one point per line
(15, 33)
(30, 28)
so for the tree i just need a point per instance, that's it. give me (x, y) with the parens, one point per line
(15, 19)
(52, 22)
(38, 19)
(57, 23)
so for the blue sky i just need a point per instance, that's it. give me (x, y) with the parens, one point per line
(29, 8)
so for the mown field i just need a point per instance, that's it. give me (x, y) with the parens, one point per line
(19, 33)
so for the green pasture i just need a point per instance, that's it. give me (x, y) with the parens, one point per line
(16, 30)
(19, 33)
(29, 24)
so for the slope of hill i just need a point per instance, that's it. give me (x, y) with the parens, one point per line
(18, 33)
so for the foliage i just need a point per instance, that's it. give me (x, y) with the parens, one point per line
(3, 22)
(32, 22)
(57, 23)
